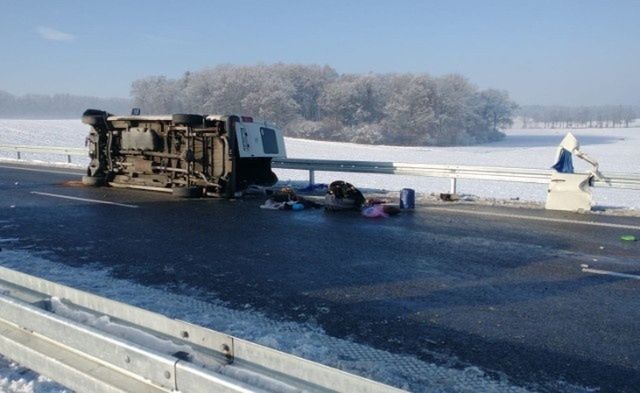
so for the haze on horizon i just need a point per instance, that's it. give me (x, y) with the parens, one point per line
(542, 52)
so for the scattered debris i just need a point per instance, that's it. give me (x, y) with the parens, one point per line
(407, 198)
(256, 190)
(377, 209)
(314, 187)
(448, 197)
(343, 196)
(340, 196)
(374, 211)
(628, 238)
(287, 199)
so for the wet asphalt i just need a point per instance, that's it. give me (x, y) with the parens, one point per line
(506, 294)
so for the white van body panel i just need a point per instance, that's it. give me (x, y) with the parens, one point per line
(259, 139)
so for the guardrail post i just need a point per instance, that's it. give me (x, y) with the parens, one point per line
(18, 153)
(453, 188)
(312, 177)
(68, 158)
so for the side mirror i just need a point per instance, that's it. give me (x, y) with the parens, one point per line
(135, 112)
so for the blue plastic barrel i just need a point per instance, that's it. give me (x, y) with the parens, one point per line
(407, 198)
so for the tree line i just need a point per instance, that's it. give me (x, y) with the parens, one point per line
(57, 106)
(315, 102)
(554, 116)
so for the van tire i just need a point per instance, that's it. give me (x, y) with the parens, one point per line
(94, 117)
(94, 112)
(188, 120)
(187, 192)
(92, 120)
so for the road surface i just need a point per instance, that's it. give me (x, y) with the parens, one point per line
(499, 288)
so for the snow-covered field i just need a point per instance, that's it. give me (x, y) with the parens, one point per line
(617, 150)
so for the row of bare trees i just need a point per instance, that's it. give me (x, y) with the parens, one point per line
(548, 116)
(57, 106)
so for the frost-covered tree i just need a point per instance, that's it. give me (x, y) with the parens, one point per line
(312, 101)
(354, 99)
(157, 94)
(409, 109)
(309, 83)
(495, 107)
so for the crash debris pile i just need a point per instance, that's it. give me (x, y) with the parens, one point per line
(340, 196)
(287, 199)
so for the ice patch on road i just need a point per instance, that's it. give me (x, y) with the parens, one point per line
(304, 340)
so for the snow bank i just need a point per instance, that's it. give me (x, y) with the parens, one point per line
(17, 379)
(128, 333)
(164, 346)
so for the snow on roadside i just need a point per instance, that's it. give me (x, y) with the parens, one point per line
(305, 340)
(164, 345)
(17, 379)
(615, 148)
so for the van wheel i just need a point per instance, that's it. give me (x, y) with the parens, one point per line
(93, 181)
(187, 192)
(94, 117)
(188, 120)
(92, 120)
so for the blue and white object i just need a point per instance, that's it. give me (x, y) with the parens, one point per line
(569, 191)
(407, 198)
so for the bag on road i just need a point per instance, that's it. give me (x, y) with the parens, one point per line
(343, 196)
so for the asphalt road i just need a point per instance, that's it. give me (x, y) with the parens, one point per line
(500, 288)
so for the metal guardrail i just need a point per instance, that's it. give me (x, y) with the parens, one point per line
(453, 172)
(93, 344)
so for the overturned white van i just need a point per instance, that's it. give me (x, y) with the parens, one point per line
(189, 155)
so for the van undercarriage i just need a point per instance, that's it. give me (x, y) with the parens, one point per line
(189, 155)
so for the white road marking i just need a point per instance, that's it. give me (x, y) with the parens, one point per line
(83, 199)
(534, 218)
(41, 170)
(609, 273)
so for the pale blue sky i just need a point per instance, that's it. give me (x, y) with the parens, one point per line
(549, 52)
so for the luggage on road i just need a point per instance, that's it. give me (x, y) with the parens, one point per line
(343, 196)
